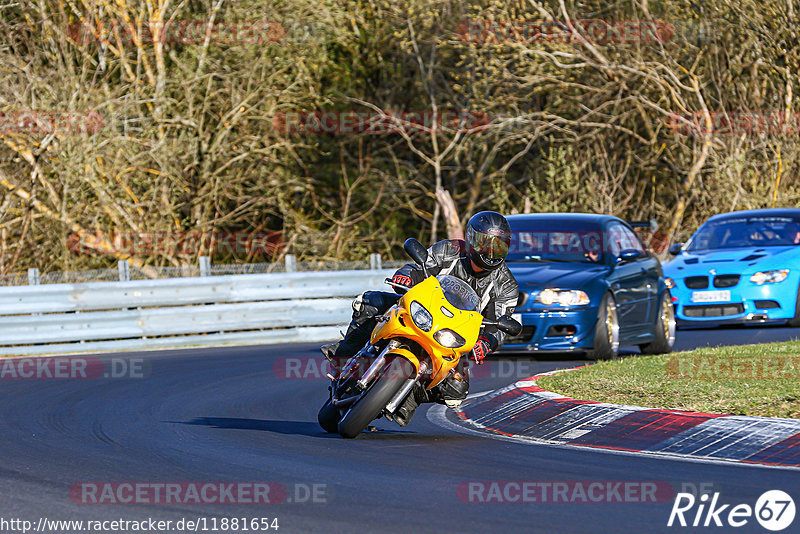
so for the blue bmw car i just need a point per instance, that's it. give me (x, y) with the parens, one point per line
(587, 284)
(739, 267)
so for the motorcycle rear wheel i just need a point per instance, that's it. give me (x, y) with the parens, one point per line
(328, 417)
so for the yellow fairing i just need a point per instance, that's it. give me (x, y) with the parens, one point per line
(397, 323)
(407, 354)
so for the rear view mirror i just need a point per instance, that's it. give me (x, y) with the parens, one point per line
(675, 249)
(629, 254)
(416, 250)
(509, 325)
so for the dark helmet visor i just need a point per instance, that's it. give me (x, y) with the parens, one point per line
(490, 246)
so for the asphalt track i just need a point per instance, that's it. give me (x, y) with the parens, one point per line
(231, 414)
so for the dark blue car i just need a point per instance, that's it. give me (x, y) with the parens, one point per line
(587, 284)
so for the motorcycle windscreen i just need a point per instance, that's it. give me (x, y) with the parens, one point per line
(458, 293)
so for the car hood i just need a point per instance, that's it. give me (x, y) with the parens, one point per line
(533, 275)
(733, 259)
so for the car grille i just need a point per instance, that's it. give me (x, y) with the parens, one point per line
(715, 310)
(524, 336)
(726, 280)
(767, 304)
(696, 282)
(561, 330)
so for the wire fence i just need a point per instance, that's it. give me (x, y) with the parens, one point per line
(125, 272)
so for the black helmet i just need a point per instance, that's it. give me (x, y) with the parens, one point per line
(488, 238)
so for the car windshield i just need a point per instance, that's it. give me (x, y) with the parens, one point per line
(747, 232)
(458, 293)
(556, 240)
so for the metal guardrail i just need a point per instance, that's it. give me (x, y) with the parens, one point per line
(247, 308)
(123, 272)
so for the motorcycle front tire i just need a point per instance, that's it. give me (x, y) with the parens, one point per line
(370, 406)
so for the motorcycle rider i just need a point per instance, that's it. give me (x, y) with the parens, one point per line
(478, 260)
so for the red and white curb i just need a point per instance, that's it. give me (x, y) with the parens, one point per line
(525, 410)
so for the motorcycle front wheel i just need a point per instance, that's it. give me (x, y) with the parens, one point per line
(372, 403)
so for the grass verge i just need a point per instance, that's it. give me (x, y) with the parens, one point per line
(762, 380)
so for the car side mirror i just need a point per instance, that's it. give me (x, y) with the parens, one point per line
(629, 255)
(675, 249)
(417, 252)
(509, 325)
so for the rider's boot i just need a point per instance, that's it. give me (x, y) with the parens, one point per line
(453, 389)
(357, 335)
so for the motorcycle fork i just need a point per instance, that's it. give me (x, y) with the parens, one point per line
(347, 382)
(401, 395)
(376, 365)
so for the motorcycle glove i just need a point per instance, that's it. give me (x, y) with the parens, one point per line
(402, 280)
(485, 345)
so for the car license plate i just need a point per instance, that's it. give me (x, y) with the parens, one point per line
(517, 317)
(711, 296)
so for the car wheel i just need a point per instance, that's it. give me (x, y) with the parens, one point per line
(796, 320)
(665, 329)
(606, 332)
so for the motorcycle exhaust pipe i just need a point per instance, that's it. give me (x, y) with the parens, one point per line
(404, 391)
(376, 366)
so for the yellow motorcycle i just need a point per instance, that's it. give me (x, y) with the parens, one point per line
(420, 340)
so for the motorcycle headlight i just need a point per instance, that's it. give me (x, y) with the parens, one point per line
(447, 338)
(770, 277)
(421, 317)
(669, 282)
(562, 297)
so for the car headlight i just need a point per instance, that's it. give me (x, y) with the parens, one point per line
(669, 282)
(562, 297)
(447, 338)
(770, 277)
(421, 317)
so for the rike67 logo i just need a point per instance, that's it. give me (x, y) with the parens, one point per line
(774, 510)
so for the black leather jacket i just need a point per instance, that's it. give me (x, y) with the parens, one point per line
(497, 289)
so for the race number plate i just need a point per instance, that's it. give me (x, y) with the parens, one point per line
(711, 296)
